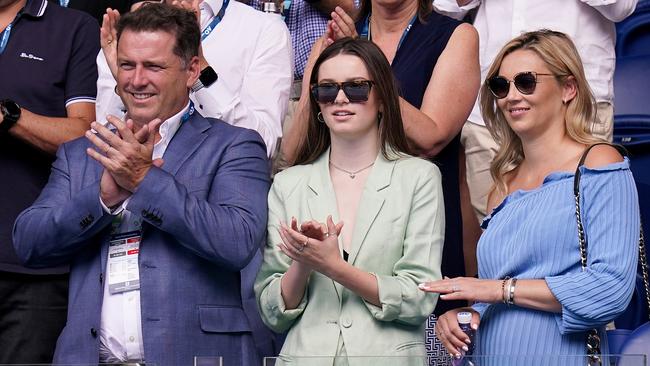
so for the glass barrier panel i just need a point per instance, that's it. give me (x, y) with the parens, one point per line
(484, 360)
(81, 364)
(208, 361)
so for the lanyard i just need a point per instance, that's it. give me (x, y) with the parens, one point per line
(64, 3)
(365, 31)
(216, 20)
(188, 113)
(286, 5)
(5, 37)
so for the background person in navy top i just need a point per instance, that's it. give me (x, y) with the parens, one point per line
(47, 68)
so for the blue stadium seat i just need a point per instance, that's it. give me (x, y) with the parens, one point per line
(637, 343)
(633, 33)
(632, 130)
(632, 86)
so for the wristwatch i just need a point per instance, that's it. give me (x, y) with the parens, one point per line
(10, 114)
(208, 77)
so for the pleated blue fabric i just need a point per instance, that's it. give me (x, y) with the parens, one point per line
(533, 235)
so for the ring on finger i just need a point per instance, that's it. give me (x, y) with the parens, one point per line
(455, 288)
(302, 247)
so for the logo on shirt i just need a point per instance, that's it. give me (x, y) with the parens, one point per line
(30, 56)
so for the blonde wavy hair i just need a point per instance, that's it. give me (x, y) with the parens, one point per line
(560, 55)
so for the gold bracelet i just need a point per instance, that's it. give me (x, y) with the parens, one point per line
(504, 293)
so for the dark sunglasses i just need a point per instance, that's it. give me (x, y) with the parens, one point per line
(525, 82)
(356, 91)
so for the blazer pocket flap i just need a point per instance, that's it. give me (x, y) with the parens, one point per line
(220, 319)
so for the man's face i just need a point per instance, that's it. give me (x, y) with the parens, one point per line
(151, 79)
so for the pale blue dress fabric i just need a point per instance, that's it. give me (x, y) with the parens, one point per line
(533, 235)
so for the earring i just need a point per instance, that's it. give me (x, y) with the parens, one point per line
(379, 117)
(320, 117)
(564, 101)
(116, 91)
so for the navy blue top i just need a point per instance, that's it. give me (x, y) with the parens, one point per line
(533, 234)
(412, 67)
(48, 63)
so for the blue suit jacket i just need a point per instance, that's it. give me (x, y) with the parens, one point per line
(204, 216)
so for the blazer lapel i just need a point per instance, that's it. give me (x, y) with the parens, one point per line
(371, 202)
(187, 139)
(323, 201)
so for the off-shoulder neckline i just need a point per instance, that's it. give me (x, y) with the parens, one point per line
(552, 178)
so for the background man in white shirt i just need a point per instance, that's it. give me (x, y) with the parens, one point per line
(590, 23)
(249, 51)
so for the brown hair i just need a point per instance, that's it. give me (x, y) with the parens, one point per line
(561, 56)
(167, 18)
(391, 131)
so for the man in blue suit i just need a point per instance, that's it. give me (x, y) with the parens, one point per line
(157, 218)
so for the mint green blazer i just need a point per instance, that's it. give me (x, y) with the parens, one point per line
(398, 237)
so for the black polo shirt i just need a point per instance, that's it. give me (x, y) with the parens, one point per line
(47, 64)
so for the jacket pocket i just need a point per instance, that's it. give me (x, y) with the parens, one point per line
(223, 319)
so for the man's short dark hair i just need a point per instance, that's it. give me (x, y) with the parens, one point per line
(154, 17)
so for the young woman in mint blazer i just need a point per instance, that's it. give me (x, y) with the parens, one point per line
(351, 289)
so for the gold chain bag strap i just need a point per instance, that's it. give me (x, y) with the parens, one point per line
(593, 339)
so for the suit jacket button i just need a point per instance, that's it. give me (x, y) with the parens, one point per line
(93, 332)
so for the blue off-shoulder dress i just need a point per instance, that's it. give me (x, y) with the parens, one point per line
(533, 235)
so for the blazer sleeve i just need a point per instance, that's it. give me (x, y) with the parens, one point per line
(228, 226)
(401, 299)
(597, 295)
(49, 232)
(267, 285)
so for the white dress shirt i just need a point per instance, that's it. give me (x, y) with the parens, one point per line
(120, 330)
(590, 23)
(251, 53)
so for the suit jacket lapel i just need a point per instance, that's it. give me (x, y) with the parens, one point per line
(371, 202)
(187, 139)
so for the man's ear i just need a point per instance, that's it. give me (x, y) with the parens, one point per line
(569, 89)
(193, 71)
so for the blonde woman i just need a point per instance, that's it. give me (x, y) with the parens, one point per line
(532, 296)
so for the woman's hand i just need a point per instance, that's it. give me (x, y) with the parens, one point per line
(313, 229)
(190, 5)
(449, 333)
(320, 255)
(466, 288)
(342, 25)
(108, 39)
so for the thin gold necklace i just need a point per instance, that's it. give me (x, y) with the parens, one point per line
(351, 174)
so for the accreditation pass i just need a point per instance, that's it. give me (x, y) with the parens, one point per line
(123, 272)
